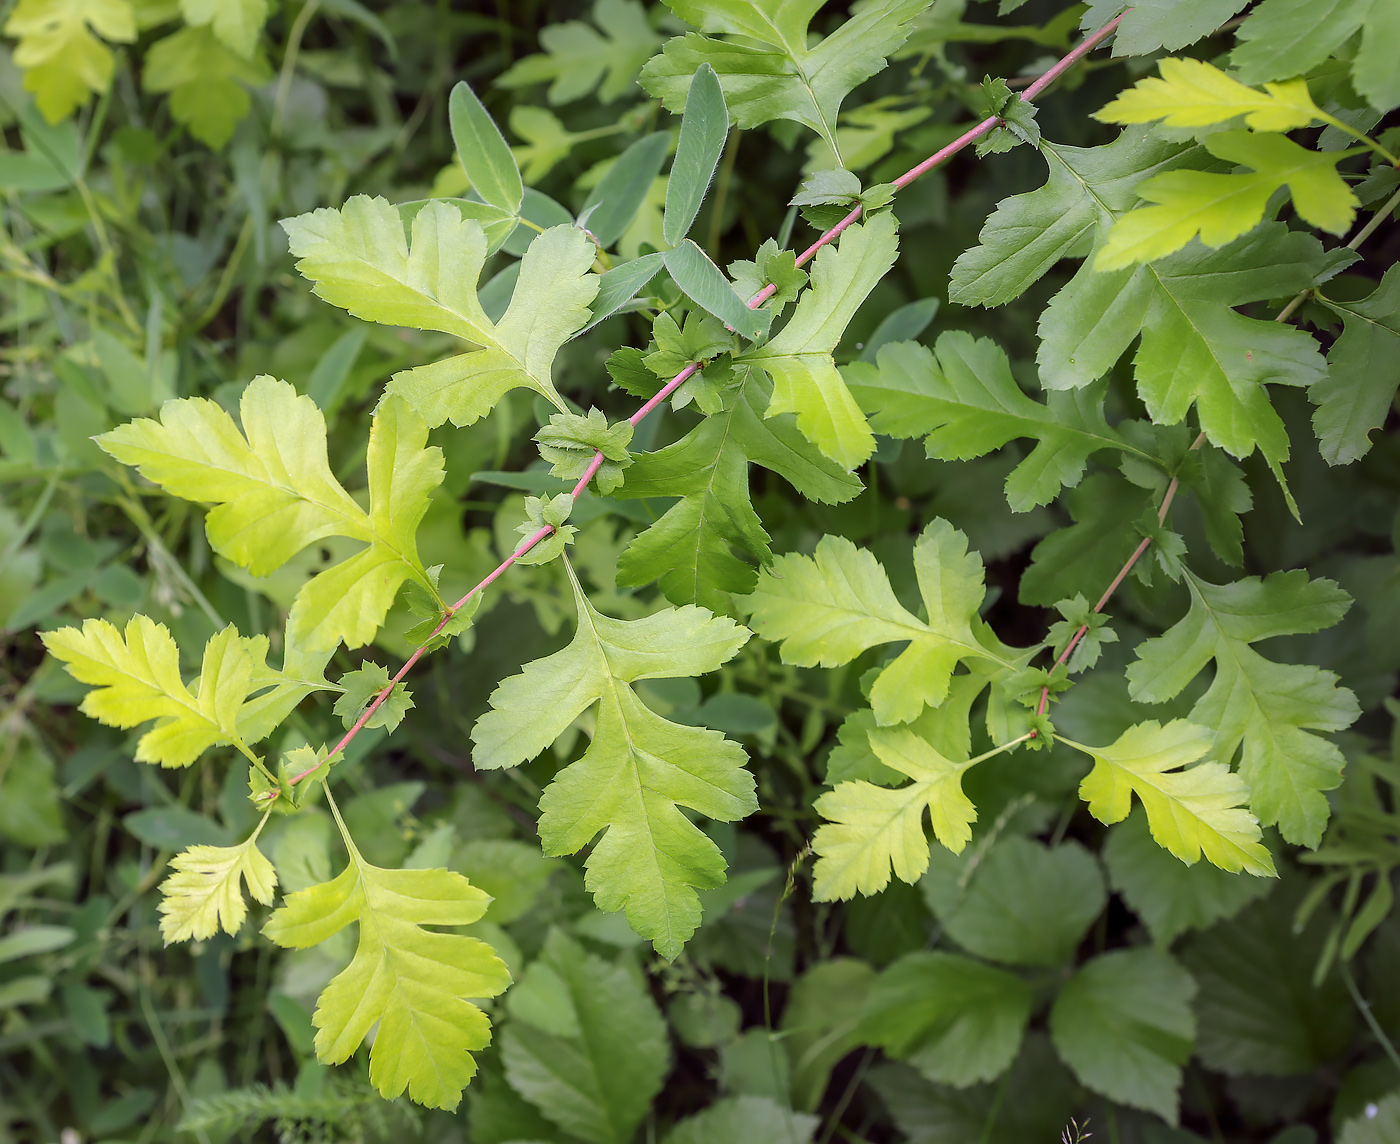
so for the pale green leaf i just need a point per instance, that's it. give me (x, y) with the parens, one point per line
(828, 608)
(236, 22)
(577, 59)
(1192, 812)
(64, 62)
(805, 379)
(136, 678)
(205, 895)
(207, 81)
(1192, 93)
(416, 984)
(870, 830)
(592, 1058)
(955, 1020)
(274, 494)
(548, 306)
(1220, 208)
(639, 769)
(1271, 710)
(1124, 1024)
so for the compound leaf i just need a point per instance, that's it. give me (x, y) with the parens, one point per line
(595, 1053)
(1270, 709)
(805, 379)
(416, 983)
(1190, 812)
(639, 768)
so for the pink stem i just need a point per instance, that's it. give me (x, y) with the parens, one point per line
(941, 156)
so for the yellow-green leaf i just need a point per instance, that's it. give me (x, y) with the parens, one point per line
(1191, 812)
(137, 679)
(204, 894)
(871, 830)
(64, 63)
(1192, 93)
(1220, 208)
(417, 984)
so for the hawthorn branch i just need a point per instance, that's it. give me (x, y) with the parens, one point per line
(1087, 45)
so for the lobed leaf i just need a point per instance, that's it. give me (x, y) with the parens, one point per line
(136, 678)
(1193, 93)
(828, 608)
(961, 398)
(799, 360)
(274, 494)
(416, 984)
(639, 769)
(204, 895)
(871, 830)
(1192, 812)
(1269, 709)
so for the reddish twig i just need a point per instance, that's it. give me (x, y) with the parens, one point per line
(1088, 44)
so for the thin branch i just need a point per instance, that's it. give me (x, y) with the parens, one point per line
(941, 156)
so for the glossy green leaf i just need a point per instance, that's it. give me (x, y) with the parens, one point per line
(595, 1053)
(955, 1020)
(1363, 373)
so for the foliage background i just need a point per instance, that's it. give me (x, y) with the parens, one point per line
(144, 261)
